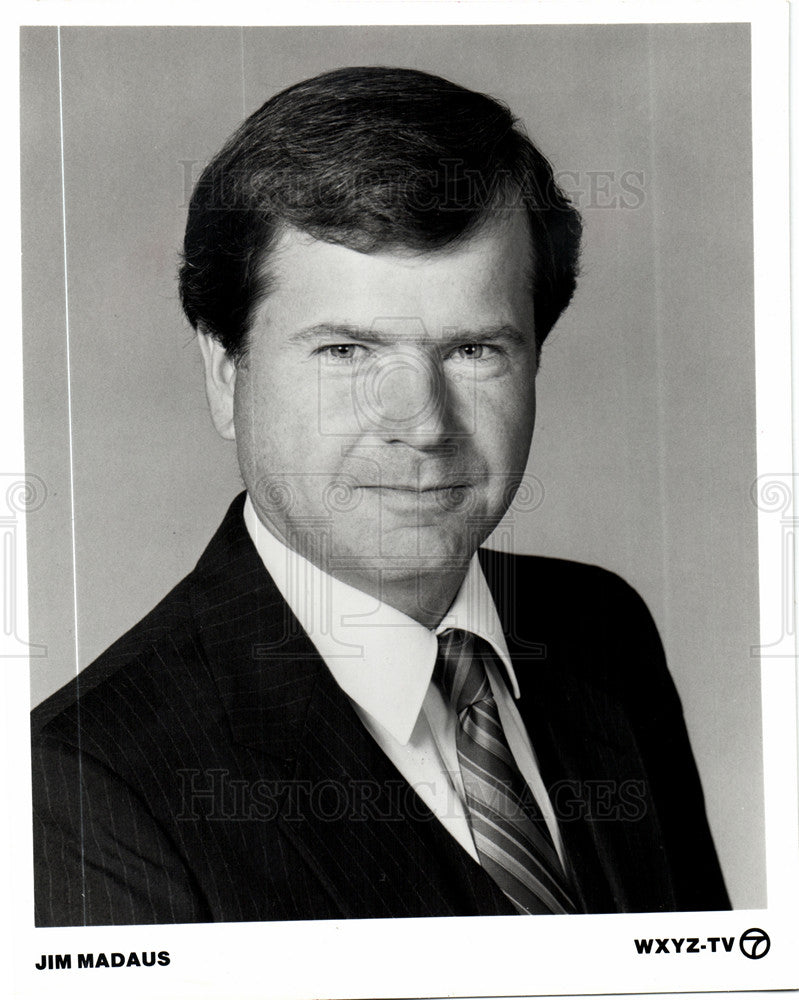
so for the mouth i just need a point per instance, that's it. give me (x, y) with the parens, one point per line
(400, 488)
(441, 496)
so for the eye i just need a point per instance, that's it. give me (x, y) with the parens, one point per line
(341, 353)
(474, 352)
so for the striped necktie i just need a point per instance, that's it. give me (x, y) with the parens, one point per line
(512, 840)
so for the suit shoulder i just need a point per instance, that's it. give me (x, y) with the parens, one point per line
(137, 669)
(588, 621)
(551, 580)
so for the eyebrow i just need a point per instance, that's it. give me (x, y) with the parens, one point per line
(368, 335)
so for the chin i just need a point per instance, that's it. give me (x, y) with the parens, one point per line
(404, 553)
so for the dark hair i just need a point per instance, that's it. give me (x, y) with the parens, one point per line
(371, 158)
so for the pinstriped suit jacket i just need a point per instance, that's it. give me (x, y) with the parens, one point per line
(208, 768)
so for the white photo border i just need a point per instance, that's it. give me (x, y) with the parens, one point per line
(415, 958)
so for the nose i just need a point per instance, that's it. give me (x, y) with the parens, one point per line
(404, 399)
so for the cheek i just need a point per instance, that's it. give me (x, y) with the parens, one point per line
(261, 431)
(270, 403)
(504, 427)
(287, 432)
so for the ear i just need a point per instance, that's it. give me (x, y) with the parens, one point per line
(220, 383)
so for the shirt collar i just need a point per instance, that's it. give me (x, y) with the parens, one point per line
(382, 659)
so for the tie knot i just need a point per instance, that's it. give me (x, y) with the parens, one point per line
(460, 671)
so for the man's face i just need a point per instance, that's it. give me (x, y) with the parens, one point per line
(384, 410)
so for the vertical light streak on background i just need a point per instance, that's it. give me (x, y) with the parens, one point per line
(71, 448)
(243, 85)
(660, 405)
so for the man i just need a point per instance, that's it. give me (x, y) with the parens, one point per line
(346, 710)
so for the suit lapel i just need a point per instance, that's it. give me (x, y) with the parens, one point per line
(582, 769)
(584, 744)
(359, 827)
(263, 664)
(367, 835)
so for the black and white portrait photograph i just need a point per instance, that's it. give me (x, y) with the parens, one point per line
(405, 517)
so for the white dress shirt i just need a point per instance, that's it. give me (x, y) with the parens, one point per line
(383, 661)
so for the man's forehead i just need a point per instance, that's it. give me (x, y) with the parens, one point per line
(478, 289)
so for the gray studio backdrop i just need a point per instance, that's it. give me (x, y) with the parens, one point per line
(645, 446)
